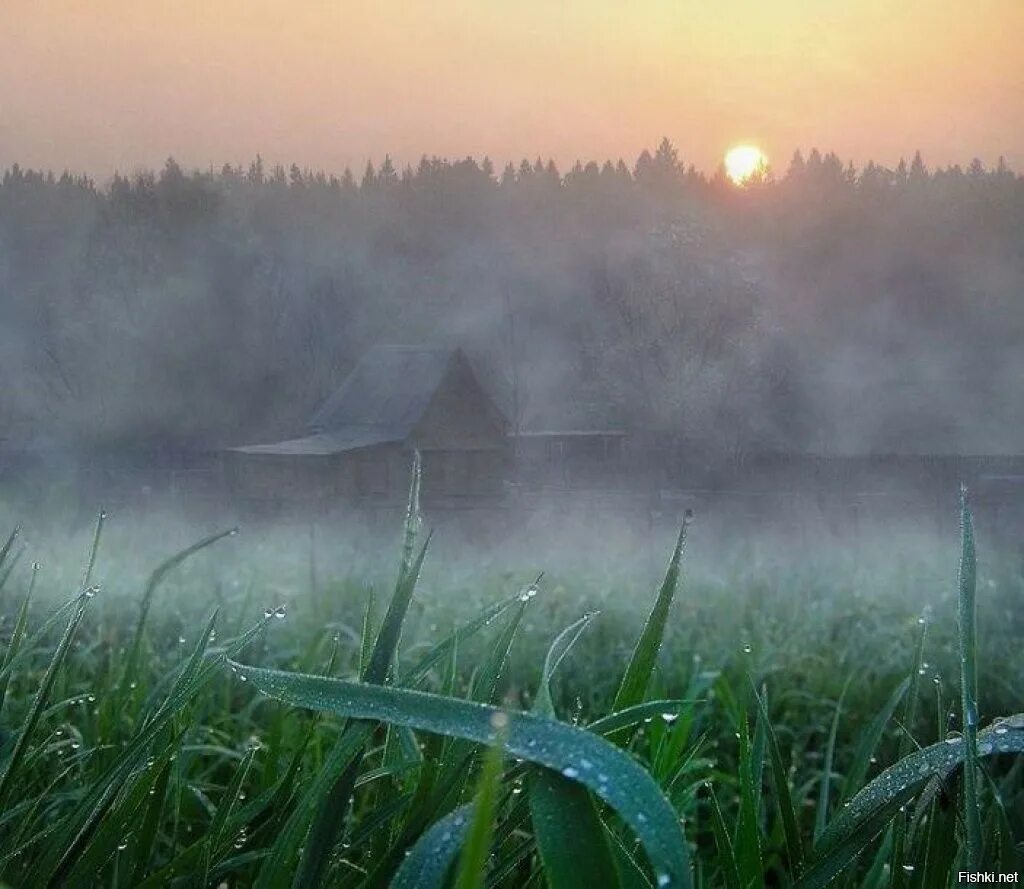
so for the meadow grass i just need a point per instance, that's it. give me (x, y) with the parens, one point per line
(750, 726)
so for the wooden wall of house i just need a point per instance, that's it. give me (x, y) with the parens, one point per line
(460, 417)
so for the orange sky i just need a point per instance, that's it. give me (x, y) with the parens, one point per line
(102, 84)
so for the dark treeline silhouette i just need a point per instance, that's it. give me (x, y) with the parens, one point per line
(825, 308)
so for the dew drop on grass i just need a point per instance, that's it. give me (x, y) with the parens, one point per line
(670, 717)
(664, 880)
(909, 868)
(267, 612)
(570, 772)
(279, 612)
(747, 648)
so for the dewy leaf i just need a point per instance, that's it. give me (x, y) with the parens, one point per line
(641, 665)
(608, 772)
(870, 810)
(429, 861)
(966, 625)
(571, 839)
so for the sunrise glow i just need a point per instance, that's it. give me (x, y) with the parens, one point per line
(744, 161)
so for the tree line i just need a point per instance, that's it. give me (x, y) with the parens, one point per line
(823, 307)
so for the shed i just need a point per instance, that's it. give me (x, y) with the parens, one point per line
(359, 443)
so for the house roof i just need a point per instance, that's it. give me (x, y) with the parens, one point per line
(381, 401)
(386, 394)
(321, 444)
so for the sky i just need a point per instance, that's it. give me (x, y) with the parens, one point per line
(102, 85)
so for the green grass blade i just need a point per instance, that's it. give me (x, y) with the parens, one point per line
(111, 837)
(783, 796)
(415, 674)
(485, 682)
(330, 816)
(869, 741)
(875, 805)
(726, 852)
(386, 644)
(430, 860)
(155, 579)
(560, 647)
(151, 824)
(5, 550)
(580, 755)
(641, 665)
(824, 788)
(571, 839)
(18, 635)
(279, 867)
(969, 682)
(476, 849)
(748, 834)
(42, 693)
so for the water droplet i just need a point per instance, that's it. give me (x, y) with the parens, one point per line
(122, 845)
(570, 772)
(528, 593)
(279, 612)
(670, 717)
(747, 648)
(267, 612)
(909, 868)
(1001, 730)
(664, 880)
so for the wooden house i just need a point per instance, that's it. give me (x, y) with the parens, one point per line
(358, 445)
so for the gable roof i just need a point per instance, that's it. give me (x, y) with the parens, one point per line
(382, 400)
(387, 392)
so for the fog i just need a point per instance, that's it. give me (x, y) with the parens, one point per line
(822, 309)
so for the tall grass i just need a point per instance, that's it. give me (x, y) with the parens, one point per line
(287, 753)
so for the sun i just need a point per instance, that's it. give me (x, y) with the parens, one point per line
(744, 161)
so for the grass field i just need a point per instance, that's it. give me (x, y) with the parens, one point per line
(747, 726)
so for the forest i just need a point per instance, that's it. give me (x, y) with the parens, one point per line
(818, 307)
